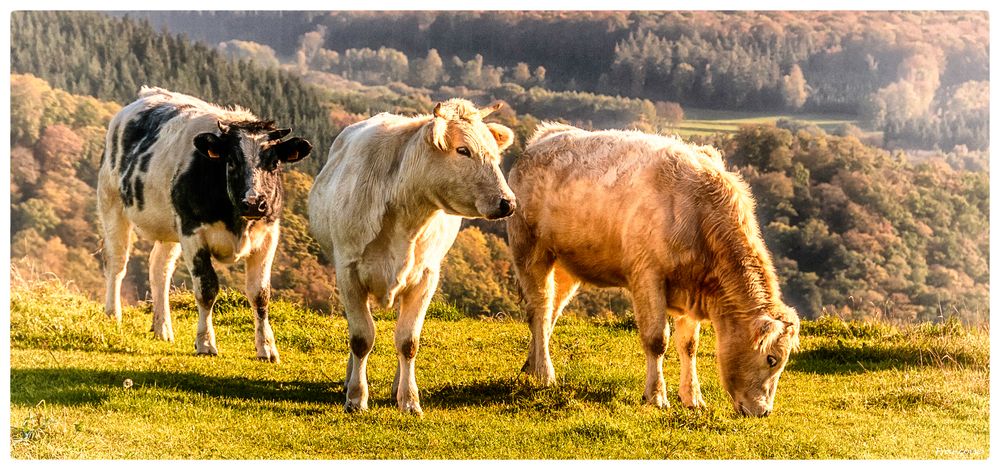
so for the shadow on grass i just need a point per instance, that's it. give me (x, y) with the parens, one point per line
(73, 386)
(854, 357)
(519, 393)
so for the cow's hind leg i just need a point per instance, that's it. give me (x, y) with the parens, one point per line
(162, 261)
(412, 308)
(650, 303)
(361, 329)
(117, 245)
(206, 288)
(258, 290)
(686, 330)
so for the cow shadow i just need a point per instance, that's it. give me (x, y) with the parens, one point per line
(75, 386)
(520, 393)
(853, 358)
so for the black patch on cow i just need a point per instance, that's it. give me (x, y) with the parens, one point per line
(200, 197)
(656, 345)
(208, 281)
(409, 348)
(261, 302)
(690, 347)
(201, 194)
(360, 346)
(138, 137)
(138, 192)
(113, 149)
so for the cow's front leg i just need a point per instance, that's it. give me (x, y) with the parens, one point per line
(258, 291)
(413, 307)
(686, 330)
(206, 289)
(651, 317)
(361, 330)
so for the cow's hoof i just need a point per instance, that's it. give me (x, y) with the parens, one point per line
(412, 408)
(206, 350)
(658, 401)
(162, 333)
(273, 359)
(268, 353)
(545, 377)
(352, 407)
(694, 403)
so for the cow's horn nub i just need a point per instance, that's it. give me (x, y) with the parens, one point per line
(490, 109)
(223, 127)
(437, 110)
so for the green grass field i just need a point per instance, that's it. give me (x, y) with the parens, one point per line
(83, 388)
(707, 122)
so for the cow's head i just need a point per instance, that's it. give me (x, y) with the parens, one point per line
(462, 171)
(752, 353)
(252, 152)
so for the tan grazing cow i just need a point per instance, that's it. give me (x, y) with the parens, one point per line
(667, 221)
(388, 205)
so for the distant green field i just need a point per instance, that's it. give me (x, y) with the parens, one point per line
(81, 388)
(707, 121)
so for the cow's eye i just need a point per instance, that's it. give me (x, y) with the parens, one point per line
(464, 151)
(772, 361)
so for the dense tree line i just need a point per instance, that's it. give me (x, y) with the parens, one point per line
(897, 69)
(110, 58)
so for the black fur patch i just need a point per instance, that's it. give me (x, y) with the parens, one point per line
(656, 345)
(138, 137)
(409, 349)
(691, 347)
(360, 346)
(113, 150)
(200, 195)
(208, 281)
(261, 301)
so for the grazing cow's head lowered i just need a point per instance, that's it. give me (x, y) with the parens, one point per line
(463, 173)
(753, 354)
(252, 152)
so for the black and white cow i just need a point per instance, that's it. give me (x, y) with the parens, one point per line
(200, 180)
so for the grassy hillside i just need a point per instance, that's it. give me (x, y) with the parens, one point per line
(82, 388)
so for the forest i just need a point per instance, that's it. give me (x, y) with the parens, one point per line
(857, 230)
(920, 78)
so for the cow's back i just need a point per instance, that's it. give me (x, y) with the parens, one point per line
(604, 200)
(351, 192)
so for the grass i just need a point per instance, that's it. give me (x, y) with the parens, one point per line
(708, 122)
(83, 388)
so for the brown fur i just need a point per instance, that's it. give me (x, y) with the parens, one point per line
(664, 219)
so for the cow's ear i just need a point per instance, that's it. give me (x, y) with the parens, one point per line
(437, 133)
(293, 150)
(503, 135)
(278, 134)
(765, 330)
(208, 144)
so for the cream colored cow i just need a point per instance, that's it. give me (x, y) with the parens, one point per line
(667, 221)
(388, 205)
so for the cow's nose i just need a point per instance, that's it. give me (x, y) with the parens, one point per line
(766, 413)
(254, 205)
(506, 207)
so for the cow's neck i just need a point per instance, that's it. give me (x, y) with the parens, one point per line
(746, 277)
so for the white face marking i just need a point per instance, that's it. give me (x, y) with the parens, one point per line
(251, 147)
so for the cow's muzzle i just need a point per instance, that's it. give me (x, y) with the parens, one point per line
(254, 207)
(504, 209)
